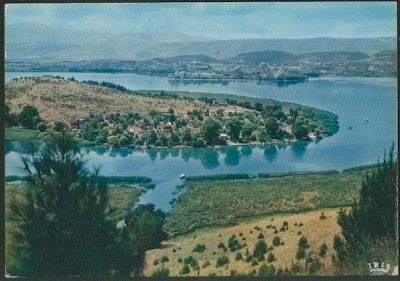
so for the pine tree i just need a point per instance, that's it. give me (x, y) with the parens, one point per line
(62, 226)
(368, 229)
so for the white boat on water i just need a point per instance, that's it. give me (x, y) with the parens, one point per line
(182, 176)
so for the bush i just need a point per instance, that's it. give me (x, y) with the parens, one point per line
(155, 262)
(299, 233)
(271, 257)
(276, 231)
(221, 261)
(238, 256)
(276, 241)
(303, 242)
(301, 224)
(301, 253)
(164, 259)
(164, 272)
(260, 249)
(205, 264)
(266, 270)
(322, 216)
(41, 126)
(260, 236)
(199, 248)
(180, 260)
(185, 270)
(190, 261)
(26, 116)
(254, 263)
(285, 224)
(249, 258)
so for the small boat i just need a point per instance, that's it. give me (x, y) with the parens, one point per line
(350, 127)
(182, 176)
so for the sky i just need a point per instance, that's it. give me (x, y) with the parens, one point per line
(218, 20)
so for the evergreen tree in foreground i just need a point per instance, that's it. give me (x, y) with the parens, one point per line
(62, 226)
(368, 229)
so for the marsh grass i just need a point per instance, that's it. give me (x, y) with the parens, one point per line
(224, 202)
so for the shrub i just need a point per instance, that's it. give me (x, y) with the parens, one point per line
(301, 253)
(164, 259)
(276, 231)
(174, 250)
(240, 234)
(282, 229)
(303, 242)
(249, 258)
(238, 256)
(234, 244)
(260, 236)
(266, 270)
(260, 249)
(299, 233)
(221, 261)
(295, 224)
(301, 224)
(254, 262)
(164, 272)
(322, 216)
(285, 224)
(199, 248)
(251, 231)
(190, 261)
(185, 270)
(205, 264)
(271, 257)
(41, 126)
(180, 260)
(155, 262)
(276, 241)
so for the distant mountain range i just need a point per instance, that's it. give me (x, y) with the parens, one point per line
(265, 65)
(33, 42)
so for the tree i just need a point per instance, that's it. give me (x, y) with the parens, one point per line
(299, 131)
(266, 270)
(272, 126)
(210, 130)
(301, 253)
(221, 261)
(369, 228)
(62, 225)
(143, 231)
(247, 129)
(26, 116)
(260, 249)
(234, 127)
(186, 135)
(303, 242)
(323, 250)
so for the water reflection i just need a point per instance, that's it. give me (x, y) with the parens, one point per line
(209, 159)
(270, 152)
(232, 156)
(298, 149)
(246, 151)
(152, 154)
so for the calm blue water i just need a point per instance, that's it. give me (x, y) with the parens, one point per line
(353, 100)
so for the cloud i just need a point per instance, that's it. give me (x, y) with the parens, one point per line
(218, 20)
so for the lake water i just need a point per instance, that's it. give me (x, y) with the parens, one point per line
(354, 100)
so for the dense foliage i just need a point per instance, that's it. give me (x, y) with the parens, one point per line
(63, 222)
(368, 229)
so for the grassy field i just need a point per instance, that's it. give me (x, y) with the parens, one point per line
(18, 133)
(309, 224)
(225, 202)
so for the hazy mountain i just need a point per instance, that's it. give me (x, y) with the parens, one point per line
(40, 42)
